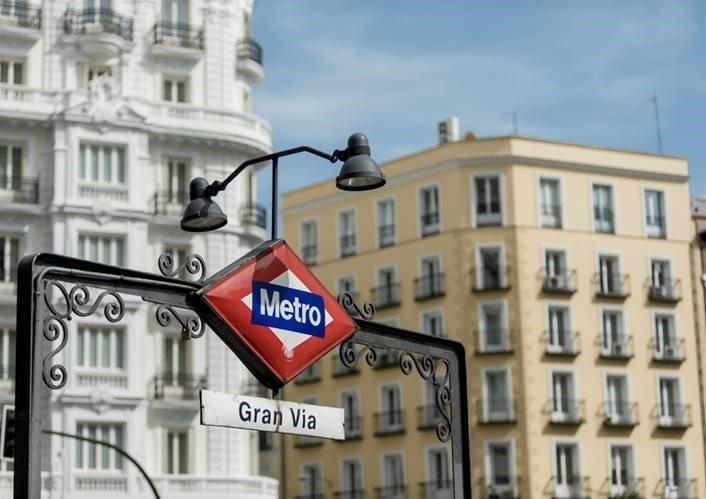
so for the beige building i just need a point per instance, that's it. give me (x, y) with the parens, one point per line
(565, 271)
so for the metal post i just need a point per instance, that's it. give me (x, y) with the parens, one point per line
(275, 195)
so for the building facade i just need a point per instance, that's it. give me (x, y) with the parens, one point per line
(108, 110)
(564, 270)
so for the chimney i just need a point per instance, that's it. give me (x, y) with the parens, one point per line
(448, 131)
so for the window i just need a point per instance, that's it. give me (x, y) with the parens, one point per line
(432, 323)
(609, 278)
(93, 72)
(618, 408)
(9, 258)
(499, 467)
(676, 482)
(102, 249)
(560, 338)
(175, 11)
(177, 460)
(310, 481)
(430, 218)
(7, 354)
(100, 348)
(564, 407)
(431, 281)
(10, 167)
(309, 242)
(393, 474)
(568, 474)
(662, 287)
(390, 417)
(493, 336)
(352, 478)
(666, 343)
(670, 402)
(550, 202)
(103, 164)
(174, 89)
(177, 179)
(438, 473)
(490, 274)
(175, 367)
(496, 392)
(603, 210)
(655, 222)
(350, 401)
(487, 200)
(386, 222)
(346, 230)
(614, 341)
(387, 293)
(346, 284)
(622, 472)
(12, 72)
(91, 456)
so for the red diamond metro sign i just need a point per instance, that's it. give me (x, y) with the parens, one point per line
(271, 310)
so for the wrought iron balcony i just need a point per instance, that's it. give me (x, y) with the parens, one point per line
(620, 414)
(500, 487)
(349, 494)
(19, 189)
(612, 286)
(571, 487)
(310, 254)
(673, 416)
(618, 348)
(253, 214)
(665, 292)
(566, 411)
(249, 49)
(495, 410)
(353, 427)
(429, 286)
(562, 282)
(428, 417)
(386, 235)
(490, 279)
(389, 423)
(684, 488)
(669, 350)
(178, 386)
(436, 489)
(340, 369)
(430, 223)
(178, 35)
(20, 14)
(493, 341)
(386, 296)
(81, 22)
(170, 202)
(391, 492)
(347, 245)
(630, 487)
(310, 375)
(566, 343)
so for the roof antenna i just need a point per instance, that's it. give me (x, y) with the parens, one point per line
(659, 131)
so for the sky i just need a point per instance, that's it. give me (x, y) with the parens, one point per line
(584, 72)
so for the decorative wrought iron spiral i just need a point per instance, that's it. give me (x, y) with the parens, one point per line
(194, 265)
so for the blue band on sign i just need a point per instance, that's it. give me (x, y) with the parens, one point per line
(287, 308)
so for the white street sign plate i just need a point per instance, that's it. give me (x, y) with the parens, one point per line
(255, 413)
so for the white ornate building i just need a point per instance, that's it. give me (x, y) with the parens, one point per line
(106, 113)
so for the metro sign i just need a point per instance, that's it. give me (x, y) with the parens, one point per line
(271, 310)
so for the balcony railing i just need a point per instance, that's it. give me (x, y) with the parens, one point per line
(20, 14)
(430, 223)
(493, 341)
(618, 348)
(436, 489)
(620, 414)
(429, 286)
(630, 487)
(170, 202)
(669, 350)
(665, 292)
(310, 375)
(428, 417)
(19, 189)
(496, 410)
(387, 358)
(249, 49)
(178, 386)
(349, 494)
(490, 279)
(571, 487)
(566, 411)
(309, 254)
(178, 35)
(386, 235)
(353, 427)
(391, 492)
(386, 296)
(614, 286)
(562, 343)
(340, 369)
(347, 244)
(500, 487)
(673, 416)
(389, 422)
(253, 214)
(684, 488)
(81, 22)
(562, 282)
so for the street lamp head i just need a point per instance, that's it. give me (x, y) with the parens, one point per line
(202, 213)
(359, 171)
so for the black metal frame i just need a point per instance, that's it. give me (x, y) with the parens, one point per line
(52, 289)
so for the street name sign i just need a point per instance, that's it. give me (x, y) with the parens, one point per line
(273, 312)
(262, 414)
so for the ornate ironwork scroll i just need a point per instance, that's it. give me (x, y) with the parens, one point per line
(192, 327)
(347, 301)
(194, 264)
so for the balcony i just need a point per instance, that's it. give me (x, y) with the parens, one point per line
(179, 40)
(428, 417)
(391, 492)
(311, 374)
(178, 386)
(347, 245)
(665, 292)
(630, 488)
(429, 223)
(684, 488)
(19, 190)
(116, 380)
(612, 286)
(353, 427)
(496, 411)
(500, 487)
(562, 343)
(669, 351)
(387, 359)
(349, 494)
(386, 235)
(489, 279)
(619, 348)
(571, 487)
(673, 416)
(170, 203)
(429, 287)
(340, 369)
(562, 282)
(216, 487)
(620, 414)
(253, 215)
(493, 341)
(566, 411)
(436, 489)
(389, 423)
(249, 60)
(309, 254)
(100, 33)
(386, 296)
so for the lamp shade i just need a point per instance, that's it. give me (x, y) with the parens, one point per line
(202, 213)
(359, 172)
